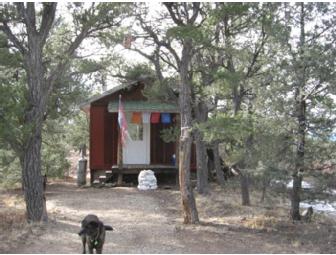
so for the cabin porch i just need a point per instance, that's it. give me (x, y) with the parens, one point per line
(119, 173)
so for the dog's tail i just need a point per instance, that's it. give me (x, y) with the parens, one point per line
(107, 227)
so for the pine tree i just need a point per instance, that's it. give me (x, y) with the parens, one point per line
(41, 72)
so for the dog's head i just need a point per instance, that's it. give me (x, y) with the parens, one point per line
(90, 225)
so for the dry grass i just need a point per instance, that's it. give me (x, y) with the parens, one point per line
(10, 219)
(13, 224)
(12, 213)
(260, 222)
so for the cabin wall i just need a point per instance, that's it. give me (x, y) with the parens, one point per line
(110, 139)
(97, 137)
(103, 138)
(160, 152)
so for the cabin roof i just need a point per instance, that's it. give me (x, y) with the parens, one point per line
(143, 106)
(86, 104)
(130, 106)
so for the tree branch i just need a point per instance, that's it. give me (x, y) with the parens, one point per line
(5, 28)
(167, 60)
(28, 16)
(60, 67)
(156, 39)
(169, 7)
(48, 17)
(256, 54)
(196, 10)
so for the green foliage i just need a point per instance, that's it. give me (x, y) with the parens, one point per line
(164, 91)
(140, 71)
(12, 128)
(77, 131)
(55, 150)
(187, 32)
(10, 169)
(170, 134)
(8, 59)
(224, 127)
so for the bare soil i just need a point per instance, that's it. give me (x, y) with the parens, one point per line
(150, 222)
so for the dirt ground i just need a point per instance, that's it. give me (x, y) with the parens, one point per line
(150, 222)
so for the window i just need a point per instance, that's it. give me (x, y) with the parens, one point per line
(135, 130)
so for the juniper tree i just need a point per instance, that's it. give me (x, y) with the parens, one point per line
(309, 72)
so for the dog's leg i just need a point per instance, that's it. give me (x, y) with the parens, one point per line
(90, 246)
(84, 243)
(99, 250)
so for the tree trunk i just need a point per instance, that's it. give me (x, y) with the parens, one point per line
(244, 185)
(244, 182)
(32, 180)
(295, 200)
(211, 167)
(299, 162)
(218, 168)
(34, 114)
(265, 183)
(244, 178)
(202, 168)
(190, 214)
(300, 105)
(237, 97)
(201, 113)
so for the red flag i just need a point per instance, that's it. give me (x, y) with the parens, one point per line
(122, 122)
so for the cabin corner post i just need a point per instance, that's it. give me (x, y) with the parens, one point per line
(120, 160)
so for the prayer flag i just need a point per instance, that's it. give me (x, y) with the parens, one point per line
(165, 118)
(136, 118)
(122, 122)
(146, 117)
(155, 117)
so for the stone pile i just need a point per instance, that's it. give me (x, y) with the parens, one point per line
(147, 180)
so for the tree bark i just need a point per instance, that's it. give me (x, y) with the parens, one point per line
(244, 185)
(32, 180)
(244, 182)
(218, 168)
(211, 167)
(202, 168)
(201, 114)
(190, 214)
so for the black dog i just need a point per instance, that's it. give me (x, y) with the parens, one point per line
(93, 232)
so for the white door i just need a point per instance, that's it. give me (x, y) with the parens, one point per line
(136, 151)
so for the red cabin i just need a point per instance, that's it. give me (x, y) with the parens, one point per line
(145, 149)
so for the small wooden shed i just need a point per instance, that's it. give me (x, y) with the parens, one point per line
(146, 149)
